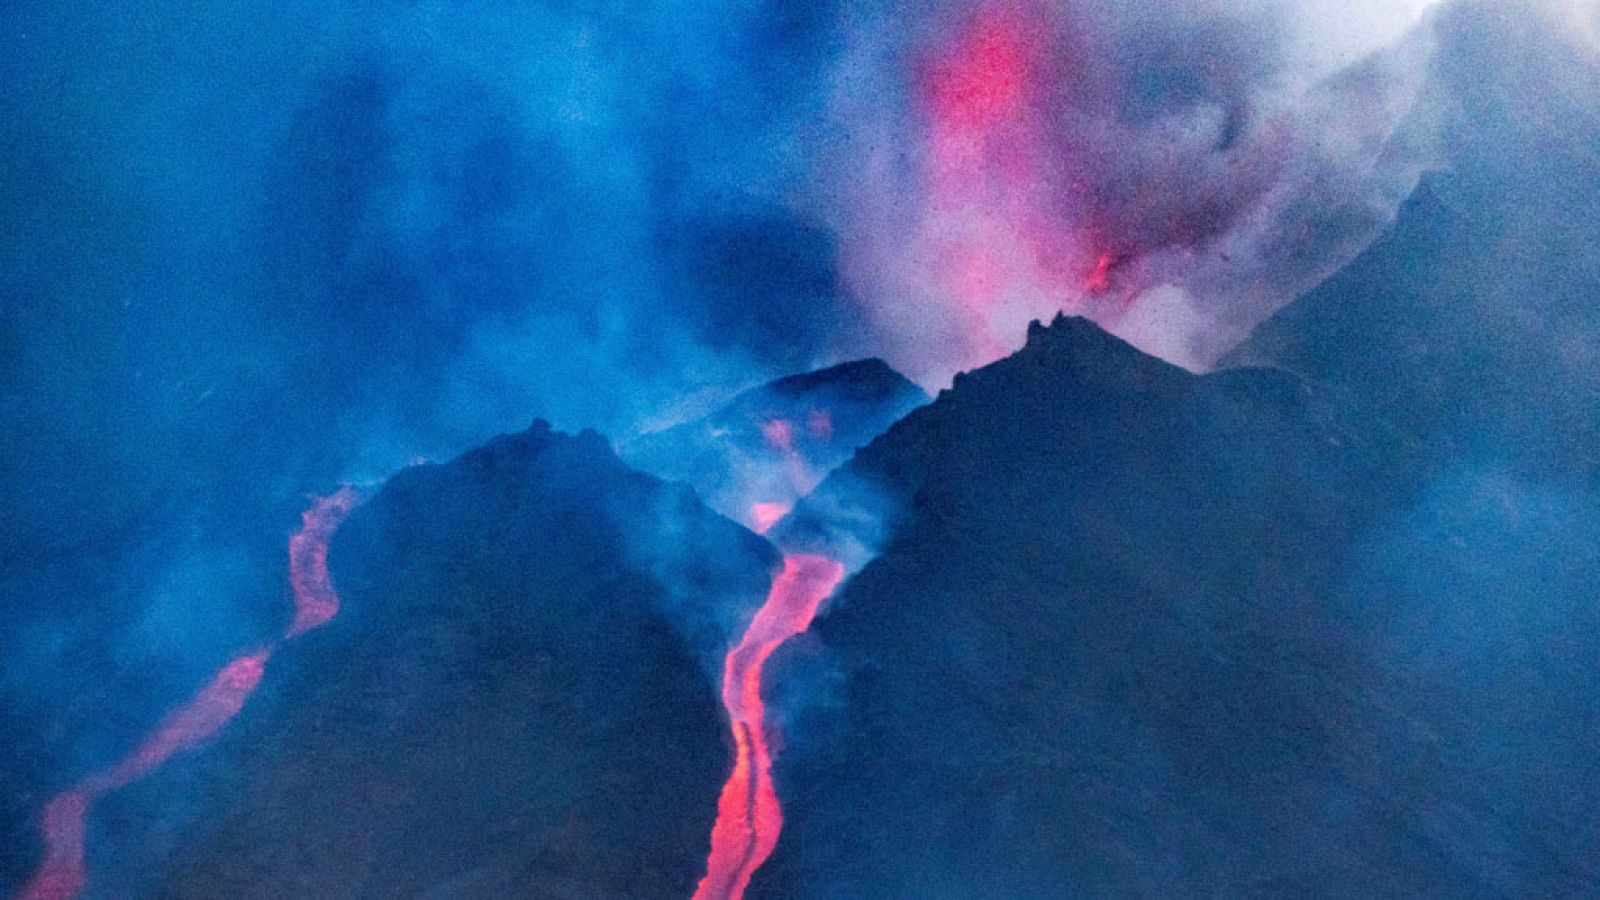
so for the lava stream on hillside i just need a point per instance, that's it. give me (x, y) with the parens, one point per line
(748, 814)
(63, 873)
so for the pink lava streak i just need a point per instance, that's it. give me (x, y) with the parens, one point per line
(315, 601)
(748, 816)
(765, 515)
(62, 875)
(186, 727)
(779, 433)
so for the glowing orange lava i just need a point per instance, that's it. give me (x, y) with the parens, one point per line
(779, 433)
(314, 599)
(765, 515)
(748, 815)
(62, 875)
(1100, 276)
(820, 424)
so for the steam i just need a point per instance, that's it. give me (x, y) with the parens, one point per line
(1141, 164)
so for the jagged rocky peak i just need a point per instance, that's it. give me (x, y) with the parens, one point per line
(1067, 354)
(1081, 341)
(536, 439)
(768, 444)
(857, 396)
(1073, 396)
(503, 499)
(872, 375)
(1205, 617)
(487, 481)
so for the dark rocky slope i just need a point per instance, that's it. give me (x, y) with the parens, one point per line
(1143, 633)
(515, 700)
(771, 443)
(1328, 630)
(1473, 325)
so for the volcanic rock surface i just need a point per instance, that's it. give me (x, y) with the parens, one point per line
(516, 699)
(1143, 633)
(772, 443)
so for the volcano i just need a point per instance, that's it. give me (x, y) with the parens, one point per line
(1141, 632)
(1320, 623)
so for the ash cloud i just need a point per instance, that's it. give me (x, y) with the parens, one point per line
(250, 251)
(1176, 170)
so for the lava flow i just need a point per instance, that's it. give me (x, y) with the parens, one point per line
(748, 815)
(62, 875)
(315, 601)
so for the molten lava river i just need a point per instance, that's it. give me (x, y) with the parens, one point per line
(748, 815)
(63, 874)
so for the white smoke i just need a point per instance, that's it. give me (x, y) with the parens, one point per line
(1255, 120)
